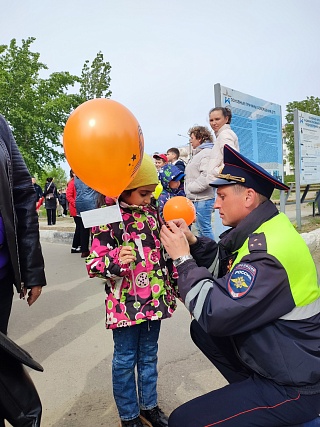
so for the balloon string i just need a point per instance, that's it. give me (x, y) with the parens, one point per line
(132, 266)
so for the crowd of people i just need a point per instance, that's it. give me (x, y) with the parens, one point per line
(199, 169)
(253, 295)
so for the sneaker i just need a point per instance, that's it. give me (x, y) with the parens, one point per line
(136, 422)
(75, 250)
(154, 417)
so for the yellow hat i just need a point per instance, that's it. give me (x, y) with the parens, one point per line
(146, 175)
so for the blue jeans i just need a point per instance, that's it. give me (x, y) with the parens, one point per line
(203, 217)
(135, 346)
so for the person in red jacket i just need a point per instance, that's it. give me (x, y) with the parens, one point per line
(71, 197)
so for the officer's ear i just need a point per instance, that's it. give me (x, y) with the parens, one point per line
(251, 198)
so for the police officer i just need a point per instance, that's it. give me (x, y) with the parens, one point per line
(255, 302)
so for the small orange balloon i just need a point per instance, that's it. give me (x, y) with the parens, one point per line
(103, 144)
(179, 207)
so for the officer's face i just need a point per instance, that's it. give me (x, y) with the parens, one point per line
(232, 204)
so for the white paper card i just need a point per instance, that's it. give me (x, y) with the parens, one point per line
(101, 216)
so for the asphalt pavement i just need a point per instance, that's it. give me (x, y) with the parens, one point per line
(64, 331)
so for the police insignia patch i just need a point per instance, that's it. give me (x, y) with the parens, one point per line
(241, 280)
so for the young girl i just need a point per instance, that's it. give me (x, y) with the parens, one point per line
(139, 287)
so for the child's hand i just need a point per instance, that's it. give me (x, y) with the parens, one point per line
(125, 255)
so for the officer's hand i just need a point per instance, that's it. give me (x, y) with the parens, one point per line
(174, 240)
(182, 225)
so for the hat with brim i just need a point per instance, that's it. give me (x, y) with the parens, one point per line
(240, 170)
(161, 156)
(178, 177)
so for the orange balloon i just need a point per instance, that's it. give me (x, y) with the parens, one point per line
(179, 207)
(103, 144)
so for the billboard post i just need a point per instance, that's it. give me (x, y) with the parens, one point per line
(297, 156)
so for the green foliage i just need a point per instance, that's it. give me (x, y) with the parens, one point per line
(58, 174)
(310, 105)
(289, 178)
(95, 79)
(37, 108)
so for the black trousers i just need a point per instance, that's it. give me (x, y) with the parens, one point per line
(81, 235)
(248, 401)
(77, 232)
(6, 295)
(51, 216)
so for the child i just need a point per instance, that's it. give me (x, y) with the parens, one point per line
(173, 156)
(171, 179)
(139, 281)
(160, 160)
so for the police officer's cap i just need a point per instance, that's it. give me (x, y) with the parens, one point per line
(240, 170)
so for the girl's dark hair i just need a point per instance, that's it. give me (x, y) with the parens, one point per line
(71, 173)
(102, 200)
(225, 111)
(126, 193)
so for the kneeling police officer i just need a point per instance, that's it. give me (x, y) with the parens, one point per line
(255, 302)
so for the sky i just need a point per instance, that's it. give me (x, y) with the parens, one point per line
(166, 55)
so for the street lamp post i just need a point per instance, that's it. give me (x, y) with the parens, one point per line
(190, 148)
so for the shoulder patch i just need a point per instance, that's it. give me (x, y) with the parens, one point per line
(241, 280)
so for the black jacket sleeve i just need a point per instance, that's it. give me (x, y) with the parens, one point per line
(22, 232)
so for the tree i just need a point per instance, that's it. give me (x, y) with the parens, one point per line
(95, 79)
(36, 108)
(310, 105)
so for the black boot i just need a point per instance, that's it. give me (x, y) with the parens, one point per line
(132, 423)
(154, 417)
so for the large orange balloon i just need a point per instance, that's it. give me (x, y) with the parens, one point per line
(103, 144)
(179, 207)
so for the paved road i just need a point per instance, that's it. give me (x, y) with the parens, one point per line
(64, 331)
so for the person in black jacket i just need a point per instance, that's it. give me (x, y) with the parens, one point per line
(37, 188)
(51, 196)
(21, 260)
(255, 301)
(63, 201)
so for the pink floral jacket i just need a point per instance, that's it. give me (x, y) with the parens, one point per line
(145, 290)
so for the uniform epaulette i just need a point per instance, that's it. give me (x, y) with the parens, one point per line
(257, 243)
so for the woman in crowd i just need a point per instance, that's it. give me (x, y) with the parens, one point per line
(71, 198)
(197, 188)
(220, 119)
(51, 195)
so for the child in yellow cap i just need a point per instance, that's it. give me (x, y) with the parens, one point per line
(139, 287)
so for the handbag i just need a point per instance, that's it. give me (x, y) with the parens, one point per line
(49, 195)
(20, 404)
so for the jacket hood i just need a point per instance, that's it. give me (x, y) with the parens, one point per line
(169, 173)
